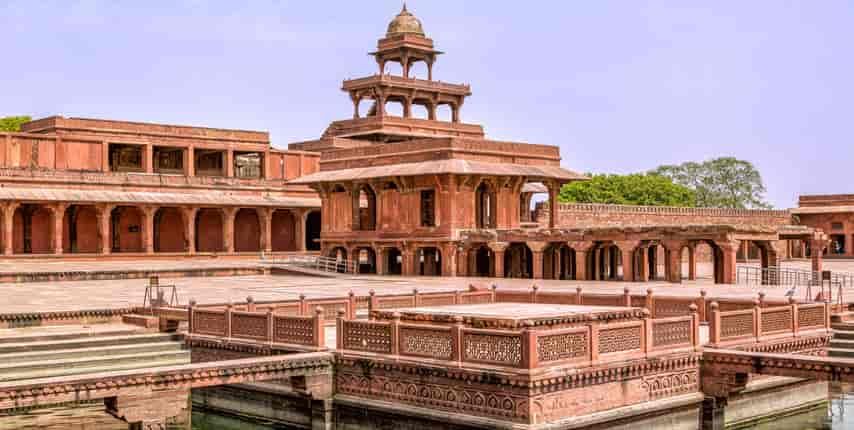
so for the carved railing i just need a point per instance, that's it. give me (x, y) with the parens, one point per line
(523, 348)
(259, 326)
(659, 306)
(746, 326)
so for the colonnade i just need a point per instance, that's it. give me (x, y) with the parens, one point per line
(82, 228)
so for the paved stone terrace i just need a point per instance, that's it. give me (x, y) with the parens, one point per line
(82, 295)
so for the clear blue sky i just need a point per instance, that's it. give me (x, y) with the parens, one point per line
(621, 86)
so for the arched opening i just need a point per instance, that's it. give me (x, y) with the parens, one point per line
(604, 261)
(559, 262)
(366, 261)
(420, 111)
(126, 229)
(32, 228)
(367, 214)
(80, 233)
(429, 262)
(394, 107)
(483, 262)
(485, 206)
(312, 231)
(418, 70)
(518, 261)
(209, 230)
(247, 231)
(283, 231)
(444, 112)
(704, 258)
(393, 261)
(394, 68)
(652, 262)
(367, 107)
(169, 230)
(717, 261)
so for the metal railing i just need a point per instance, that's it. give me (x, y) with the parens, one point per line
(155, 295)
(752, 275)
(316, 262)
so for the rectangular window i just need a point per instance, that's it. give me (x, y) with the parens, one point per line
(836, 226)
(428, 208)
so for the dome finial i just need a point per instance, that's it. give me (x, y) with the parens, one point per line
(404, 8)
(404, 23)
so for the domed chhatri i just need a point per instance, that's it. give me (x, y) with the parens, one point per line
(405, 23)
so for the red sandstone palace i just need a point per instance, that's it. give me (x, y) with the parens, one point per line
(399, 194)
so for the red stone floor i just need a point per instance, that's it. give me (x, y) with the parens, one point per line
(86, 295)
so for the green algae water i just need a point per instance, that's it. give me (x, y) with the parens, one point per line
(835, 414)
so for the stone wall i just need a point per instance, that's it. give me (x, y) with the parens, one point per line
(600, 215)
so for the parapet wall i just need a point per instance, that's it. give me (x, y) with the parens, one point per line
(601, 215)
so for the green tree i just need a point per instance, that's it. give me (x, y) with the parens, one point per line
(634, 189)
(13, 123)
(725, 182)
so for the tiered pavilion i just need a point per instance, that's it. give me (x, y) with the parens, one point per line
(424, 196)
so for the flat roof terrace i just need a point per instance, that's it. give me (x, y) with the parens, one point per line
(512, 315)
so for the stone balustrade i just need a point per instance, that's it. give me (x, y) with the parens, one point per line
(741, 327)
(266, 327)
(581, 345)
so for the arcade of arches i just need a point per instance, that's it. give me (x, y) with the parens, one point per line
(671, 259)
(71, 228)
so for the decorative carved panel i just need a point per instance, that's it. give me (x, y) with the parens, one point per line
(295, 330)
(429, 343)
(493, 348)
(562, 346)
(367, 336)
(619, 339)
(671, 333)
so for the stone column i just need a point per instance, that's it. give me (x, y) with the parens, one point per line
(581, 249)
(148, 228)
(58, 216)
(190, 167)
(300, 216)
(537, 249)
(265, 215)
(643, 264)
(379, 260)
(8, 227)
(228, 229)
(692, 262)
(498, 249)
(449, 259)
(407, 255)
(104, 213)
(149, 158)
(673, 260)
(817, 245)
(554, 189)
(627, 251)
(729, 249)
(471, 262)
(190, 228)
(229, 163)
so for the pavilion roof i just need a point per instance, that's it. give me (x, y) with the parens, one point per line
(141, 197)
(438, 167)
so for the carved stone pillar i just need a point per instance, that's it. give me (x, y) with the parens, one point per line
(627, 251)
(8, 227)
(148, 228)
(537, 249)
(498, 249)
(229, 163)
(582, 250)
(643, 264)
(817, 245)
(58, 215)
(692, 262)
(379, 260)
(149, 158)
(190, 228)
(729, 249)
(554, 189)
(104, 214)
(673, 260)
(265, 215)
(449, 259)
(300, 216)
(228, 229)
(407, 255)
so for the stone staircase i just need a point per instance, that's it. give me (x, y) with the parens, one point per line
(842, 342)
(49, 352)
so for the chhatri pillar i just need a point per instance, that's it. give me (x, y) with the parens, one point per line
(104, 214)
(818, 243)
(673, 260)
(729, 249)
(8, 227)
(58, 215)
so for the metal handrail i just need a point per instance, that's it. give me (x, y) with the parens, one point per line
(316, 262)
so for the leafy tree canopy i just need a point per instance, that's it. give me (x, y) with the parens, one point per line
(634, 189)
(13, 123)
(725, 182)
